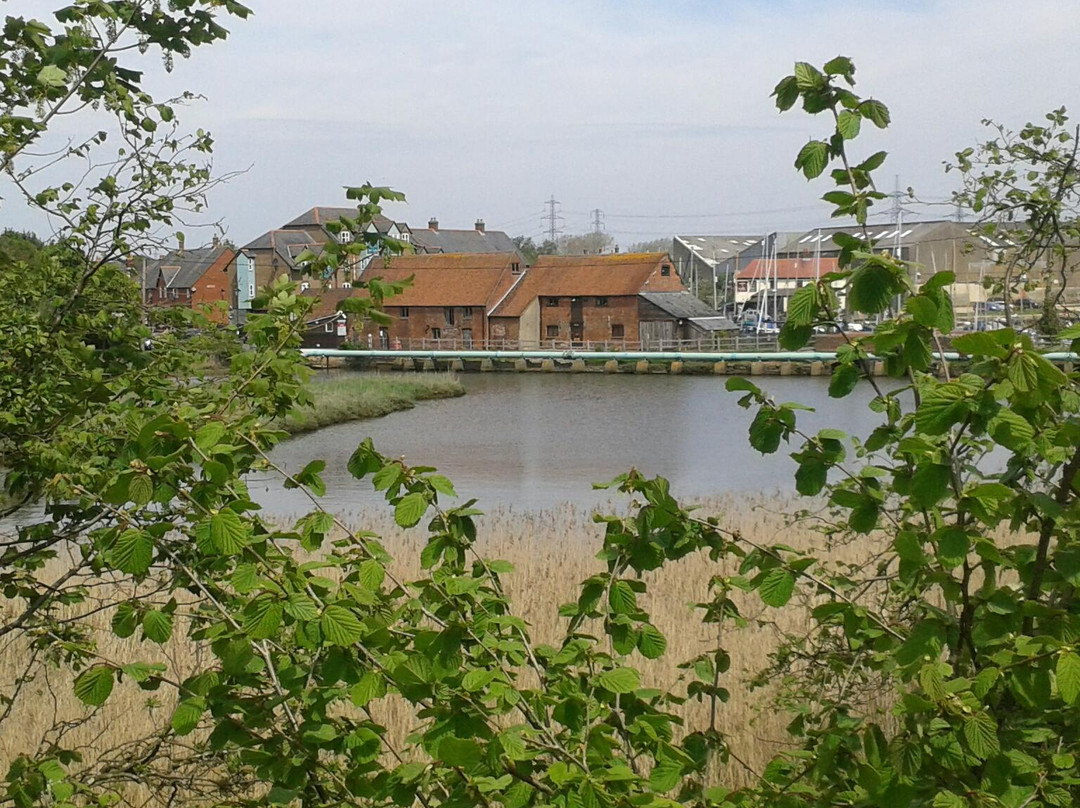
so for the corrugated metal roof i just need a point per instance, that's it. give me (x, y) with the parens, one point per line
(787, 268)
(684, 305)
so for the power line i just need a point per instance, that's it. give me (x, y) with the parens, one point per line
(598, 220)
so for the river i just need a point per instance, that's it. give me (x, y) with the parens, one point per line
(531, 441)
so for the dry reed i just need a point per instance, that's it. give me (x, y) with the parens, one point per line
(552, 551)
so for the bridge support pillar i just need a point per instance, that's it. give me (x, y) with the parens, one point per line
(879, 368)
(611, 366)
(578, 366)
(817, 368)
(720, 368)
(757, 368)
(428, 364)
(676, 368)
(486, 365)
(520, 364)
(787, 368)
(457, 365)
(642, 366)
(547, 365)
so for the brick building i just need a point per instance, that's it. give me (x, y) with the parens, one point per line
(192, 278)
(447, 304)
(579, 299)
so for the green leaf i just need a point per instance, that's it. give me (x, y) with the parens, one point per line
(262, 617)
(942, 406)
(461, 752)
(370, 687)
(300, 607)
(140, 489)
(980, 732)
(370, 574)
(622, 598)
(875, 112)
(813, 158)
(157, 626)
(1023, 372)
(94, 685)
(132, 552)
(923, 310)
(808, 77)
(1068, 676)
(125, 620)
(776, 587)
(410, 509)
(930, 484)
(478, 679)
(871, 289)
(619, 680)
(848, 124)
(803, 306)
(228, 533)
(650, 642)
(442, 485)
(1011, 430)
(52, 76)
(786, 93)
(843, 380)
(209, 435)
(340, 626)
(188, 713)
(142, 671)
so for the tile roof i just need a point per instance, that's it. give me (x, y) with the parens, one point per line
(286, 243)
(182, 269)
(462, 241)
(319, 216)
(787, 268)
(589, 275)
(437, 280)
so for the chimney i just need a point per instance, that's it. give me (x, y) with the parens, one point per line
(217, 242)
(479, 225)
(433, 224)
(180, 242)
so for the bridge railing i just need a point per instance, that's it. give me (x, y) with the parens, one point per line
(731, 342)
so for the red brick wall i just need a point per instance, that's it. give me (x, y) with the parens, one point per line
(597, 320)
(421, 324)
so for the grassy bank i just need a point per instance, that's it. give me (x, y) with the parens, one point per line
(352, 398)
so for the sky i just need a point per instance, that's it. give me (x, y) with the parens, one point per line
(656, 113)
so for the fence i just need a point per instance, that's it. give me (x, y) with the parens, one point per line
(731, 342)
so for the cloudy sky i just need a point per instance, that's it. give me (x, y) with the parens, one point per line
(657, 113)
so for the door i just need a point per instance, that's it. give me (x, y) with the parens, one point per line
(577, 323)
(384, 339)
(466, 338)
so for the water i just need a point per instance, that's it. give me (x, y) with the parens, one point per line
(532, 441)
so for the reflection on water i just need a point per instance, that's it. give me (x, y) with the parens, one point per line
(533, 440)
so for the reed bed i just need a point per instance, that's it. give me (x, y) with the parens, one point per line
(552, 550)
(352, 398)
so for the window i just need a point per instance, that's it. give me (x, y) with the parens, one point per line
(346, 285)
(404, 237)
(553, 331)
(515, 268)
(188, 294)
(665, 270)
(436, 333)
(448, 313)
(329, 328)
(304, 286)
(404, 311)
(251, 290)
(616, 331)
(551, 302)
(345, 236)
(601, 302)
(467, 311)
